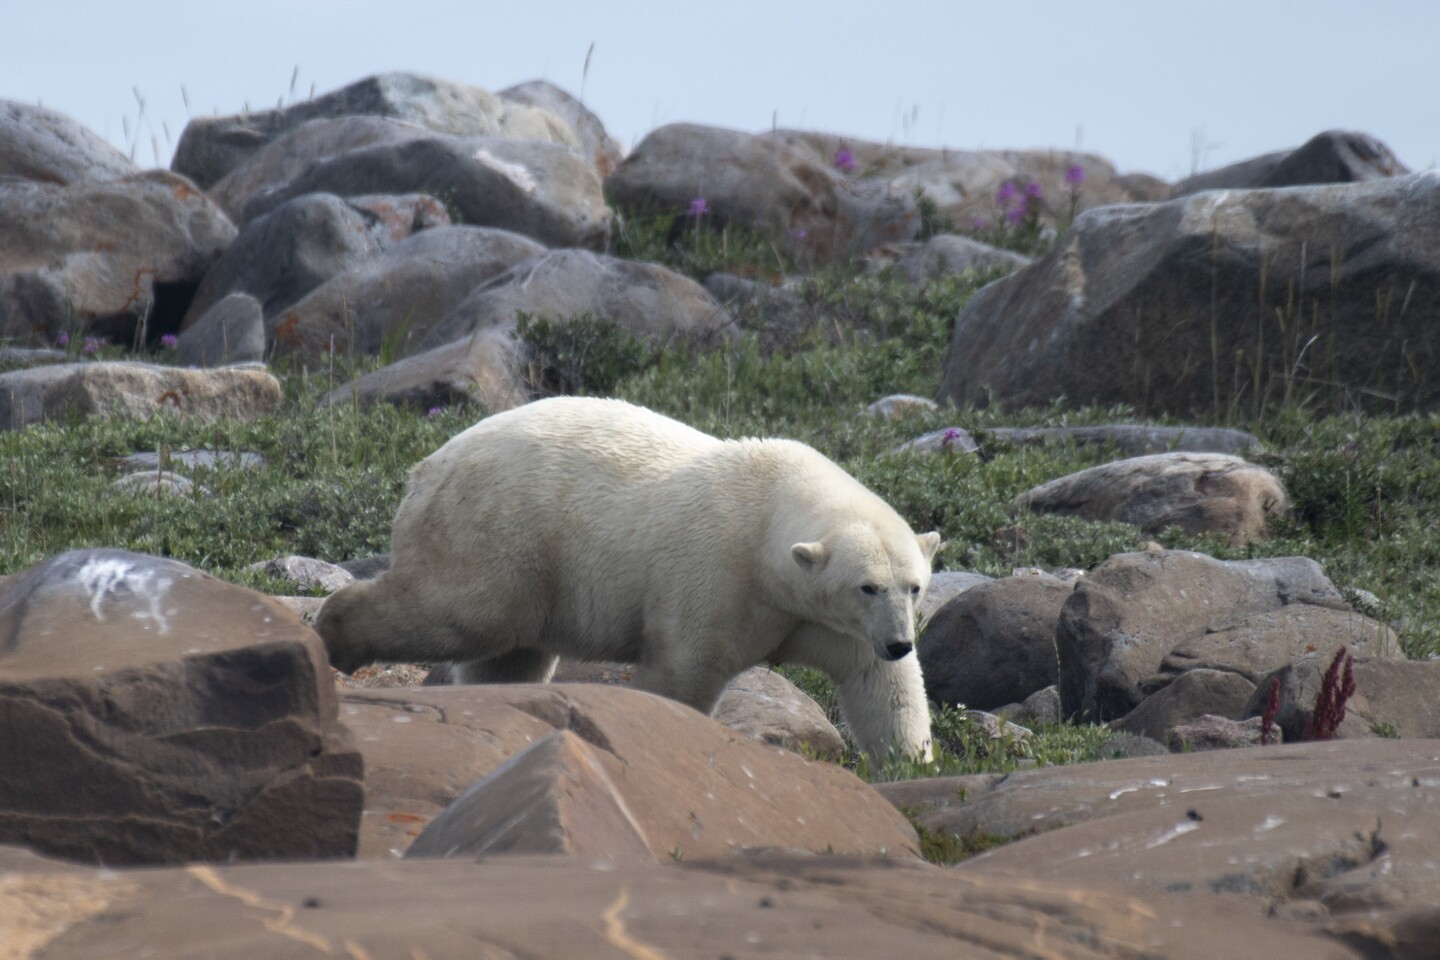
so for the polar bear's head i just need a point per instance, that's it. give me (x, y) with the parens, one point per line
(867, 581)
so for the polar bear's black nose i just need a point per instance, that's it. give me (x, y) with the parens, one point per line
(897, 650)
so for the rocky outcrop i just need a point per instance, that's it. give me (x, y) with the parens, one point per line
(211, 147)
(154, 714)
(1220, 303)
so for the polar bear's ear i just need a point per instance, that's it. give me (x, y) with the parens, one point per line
(811, 556)
(929, 544)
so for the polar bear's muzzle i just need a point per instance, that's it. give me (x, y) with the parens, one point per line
(898, 649)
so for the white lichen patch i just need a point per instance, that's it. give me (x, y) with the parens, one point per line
(109, 578)
(513, 172)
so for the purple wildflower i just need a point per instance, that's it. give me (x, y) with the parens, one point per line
(169, 341)
(949, 437)
(434, 411)
(800, 235)
(92, 344)
(982, 224)
(698, 207)
(1074, 175)
(1015, 214)
(844, 160)
(1005, 194)
(1033, 190)
(62, 339)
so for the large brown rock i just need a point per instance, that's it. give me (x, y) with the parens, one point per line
(1335, 156)
(210, 147)
(1220, 303)
(555, 908)
(683, 784)
(150, 713)
(103, 257)
(136, 391)
(1130, 612)
(1197, 492)
(390, 301)
(41, 144)
(994, 644)
(755, 181)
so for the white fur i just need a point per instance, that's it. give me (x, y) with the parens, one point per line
(597, 530)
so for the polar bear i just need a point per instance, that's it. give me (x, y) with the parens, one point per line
(593, 529)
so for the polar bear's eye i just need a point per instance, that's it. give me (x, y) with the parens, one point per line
(870, 589)
(915, 590)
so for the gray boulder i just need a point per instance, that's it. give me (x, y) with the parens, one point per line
(1335, 156)
(1199, 493)
(1193, 694)
(288, 156)
(643, 299)
(393, 299)
(764, 706)
(1220, 303)
(279, 258)
(1127, 614)
(210, 147)
(231, 331)
(41, 144)
(102, 257)
(543, 190)
(994, 644)
(486, 369)
(754, 181)
(946, 585)
(155, 714)
(594, 143)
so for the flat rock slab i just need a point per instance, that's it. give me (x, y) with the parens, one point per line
(692, 788)
(136, 391)
(552, 907)
(1333, 829)
(150, 713)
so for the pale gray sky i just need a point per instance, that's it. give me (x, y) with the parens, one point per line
(1154, 85)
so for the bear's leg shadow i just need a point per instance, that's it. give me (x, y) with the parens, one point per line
(883, 701)
(517, 666)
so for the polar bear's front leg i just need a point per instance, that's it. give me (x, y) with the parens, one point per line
(884, 706)
(883, 701)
